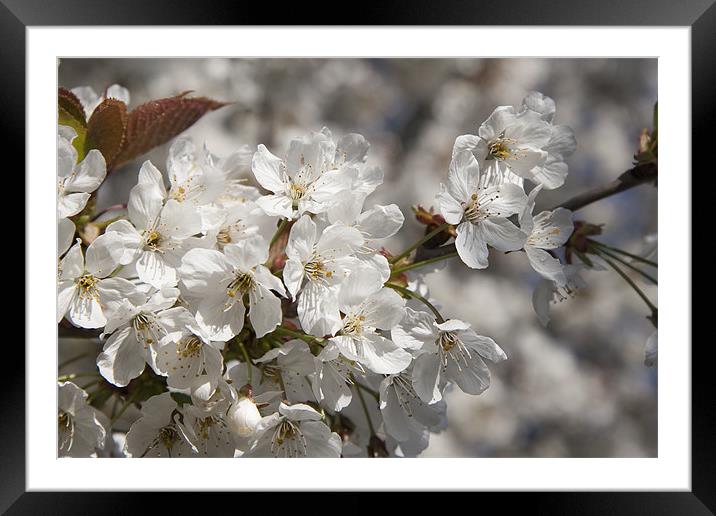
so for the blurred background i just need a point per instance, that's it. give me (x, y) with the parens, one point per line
(577, 388)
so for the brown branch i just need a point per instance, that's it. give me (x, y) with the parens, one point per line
(640, 174)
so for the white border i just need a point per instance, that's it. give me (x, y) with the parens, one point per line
(671, 470)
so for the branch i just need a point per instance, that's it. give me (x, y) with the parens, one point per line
(640, 174)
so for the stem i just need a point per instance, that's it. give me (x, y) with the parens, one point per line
(94, 382)
(415, 295)
(638, 175)
(279, 231)
(114, 408)
(296, 334)
(68, 377)
(126, 405)
(365, 411)
(631, 283)
(423, 263)
(603, 252)
(417, 244)
(367, 389)
(249, 363)
(75, 359)
(616, 250)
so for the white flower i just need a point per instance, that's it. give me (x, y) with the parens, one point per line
(220, 281)
(307, 181)
(235, 167)
(548, 292)
(407, 418)
(480, 212)
(368, 308)
(523, 143)
(136, 327)
(450, 351)
(154, 234)
(188, 354)
(561, 144)
(161, 431)
(295, 365)
(378, 223)
(547, 230)
(211, 395)
(324, 263)
(90, 100)
(651, 350)
(75, 182)
(236, 220)
(210, 432)
(83, 289)
(295, 431)
(334, 375)
(191, 179)
(81, 427)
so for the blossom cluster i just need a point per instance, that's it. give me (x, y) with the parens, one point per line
(272, 317)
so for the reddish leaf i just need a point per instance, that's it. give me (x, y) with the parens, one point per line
(106, 128)
(158, 121)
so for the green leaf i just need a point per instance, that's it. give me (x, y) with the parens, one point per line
(71, 113)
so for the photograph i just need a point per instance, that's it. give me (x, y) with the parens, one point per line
(346, 257)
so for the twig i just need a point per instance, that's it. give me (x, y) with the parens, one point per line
(640, 174)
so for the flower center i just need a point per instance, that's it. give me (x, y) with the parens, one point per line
(242, 283)
(499, 149)
(153, 240)
(88, 286)
(189, 347)
(168, 436)
(296, 191)
(288, 440)
(472, 209)
(204, 426)
(451, 347)
(447, 341)
(224, 236)
(316, 269)
(147, 328)
(353, 325)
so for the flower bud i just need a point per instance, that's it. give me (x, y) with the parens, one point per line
(243, 416)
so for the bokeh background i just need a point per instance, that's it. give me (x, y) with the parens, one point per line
(577, 388)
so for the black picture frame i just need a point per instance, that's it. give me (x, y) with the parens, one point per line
(700, 15)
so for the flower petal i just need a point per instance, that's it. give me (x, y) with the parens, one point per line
(122, 358)
(265, 312)
(546, 265)
(502, 234)
(267, 170)
(471, 246)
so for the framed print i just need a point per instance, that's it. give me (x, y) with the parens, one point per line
(428, 245)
